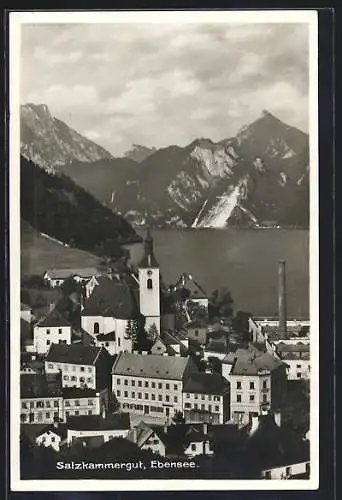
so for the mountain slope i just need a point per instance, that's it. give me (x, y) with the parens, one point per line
(49, 142)
(55, 206)
(139, 153)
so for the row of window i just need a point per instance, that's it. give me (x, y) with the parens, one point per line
(153, 409)
(48, 331)
(82, 379)
(74, 368)
(76, 413)
(39, 404)
(209, 397)
(48, 342)
(203, 407)
(251, 398)
(77, 402)
(148, 384)
(251, 384)
(146, 396)
(38, 417)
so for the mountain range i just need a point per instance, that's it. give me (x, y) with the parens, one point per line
(260, 177)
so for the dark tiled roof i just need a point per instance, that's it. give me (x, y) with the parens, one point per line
(40, 386)
(206, 383)
(60, 430)
(152, 366)
(52, 318)
(112, 298)
(250, 365)
(89, 441)
(96, 422)
(75, 354)
(106, 337)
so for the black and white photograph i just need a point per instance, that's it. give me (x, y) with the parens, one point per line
(164, 250)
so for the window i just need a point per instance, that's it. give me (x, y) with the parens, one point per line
(195, 406)
(238, 398)
(146, 395)
(119, 342)
(96, 328)
(149, 284)
(118, 381)
(55, 414)
(47, 414)
(77, 413)
(90, 380)
(82, 369)
(238, 384)
(50, 365)
(160, 398)
(268, 474)
(125, 382)
(196, 396)
(264, 398)
(118, 393)
(40, 416)
(60, 341)
(175, 387)
(82, 380)
(209, 397)
(77, 403)
(202, 406)
(65, 377)
(153, 396)
(298, 366)
(139, 395)
(125, 394)
(73, 378)
(264, 384)
(193, 447)
(47, 404)
(48, 342)
(187, 405)
(59, 330)
(251, 397)
(24, 405)
(67, 403)
(53, 440)
(133, 383)
(251, 385)
(48, 331)
(139, 383)
(167, 398)
(133, 394)
(202, 396)
(167, 386)
(209, 407)
(187, 395)
(107, 344)
(217, 408)
(146, 384)
(299, 375)
(23, 417)
(160, 386)
(90, 412)
(90, 402)
(31, 404)
(55, 404)
(153, 385)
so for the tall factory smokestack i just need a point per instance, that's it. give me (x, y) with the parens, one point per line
(282, 297)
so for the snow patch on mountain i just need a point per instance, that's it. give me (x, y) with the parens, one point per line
(283, 179)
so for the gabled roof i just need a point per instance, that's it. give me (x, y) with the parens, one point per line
(251, 365)
(52, 318)
(82, 272)
(40, 386)
(141, 433)
(106, 337)
(75, 354)
(60, 430)
(112, 298)
(206, 383)
(150, 366)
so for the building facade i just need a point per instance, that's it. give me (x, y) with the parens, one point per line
(51, 329)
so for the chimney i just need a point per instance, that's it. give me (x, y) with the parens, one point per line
(255, 425)
(282, 297)
(277, 418)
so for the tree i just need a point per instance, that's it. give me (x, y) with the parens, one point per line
(178, 418)
(220, 304)
(215, 364)
(153, 332)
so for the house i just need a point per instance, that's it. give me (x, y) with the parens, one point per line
(108, 341)
(41, 399)
(197, 330)
(116, 425)
(257, 381)
(56, 277)
(150, 384)
(78, 402)
(206, 398)
(80, 366)
(296, 355)
(197, 294)
(149, 438)
(31, 366)
(275, 451)
(110, 308)
(217, 348)
(52, 436)
(52, 328)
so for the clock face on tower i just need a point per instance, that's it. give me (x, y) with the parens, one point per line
(149, 273)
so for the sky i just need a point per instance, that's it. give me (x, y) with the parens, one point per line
(161, 84)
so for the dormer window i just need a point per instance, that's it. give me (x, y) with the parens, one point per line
(149, 284)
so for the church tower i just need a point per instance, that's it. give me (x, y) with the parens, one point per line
(149, 285)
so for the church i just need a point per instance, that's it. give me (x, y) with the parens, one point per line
(115, 300)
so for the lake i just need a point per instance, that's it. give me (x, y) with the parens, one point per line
(244, 261)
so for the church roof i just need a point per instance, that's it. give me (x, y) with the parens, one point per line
(148, 259)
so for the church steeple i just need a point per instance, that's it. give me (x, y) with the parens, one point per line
(148, 259)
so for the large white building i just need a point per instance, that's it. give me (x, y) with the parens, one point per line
(150, 384)
(53, 328)
(41, 399)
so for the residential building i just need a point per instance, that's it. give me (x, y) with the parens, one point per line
(108, 341)
(52, 328)
(52, 436)
(150, 384)
(197, 294)
(117, 425)
(80, 366)
(206, 398)
(296, 355)
(41, 399)
(257, 381)
(56, 277)
(80, 402)
(149, 438)
(149, 286)
(197, 330)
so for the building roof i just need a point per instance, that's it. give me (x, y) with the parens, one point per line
(253, 364)
(119, 421)
(299, 347)
(35, 365)
(112, 298)
(206, 383)
(148, 259)
(75, 354)
(60, 430)
(82, 272)
(78, 393)
(106, 337)
(40, 385)
(141, 433)
(52, 318)
(150, 366)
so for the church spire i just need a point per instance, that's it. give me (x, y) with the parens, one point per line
(148, 259)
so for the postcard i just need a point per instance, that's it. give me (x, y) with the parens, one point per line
(164, 250)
